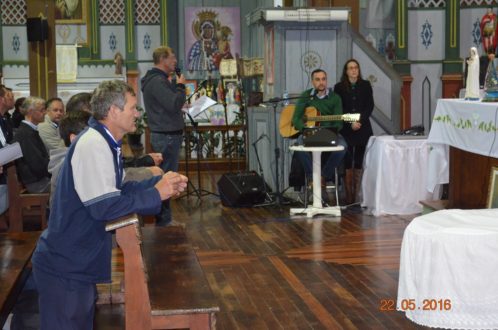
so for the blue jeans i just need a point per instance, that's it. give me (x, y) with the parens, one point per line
(26, 314)
(4, 198)
(328, 168)
(64, 303)
(169, 146)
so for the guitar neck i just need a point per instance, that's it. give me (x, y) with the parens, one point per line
(325, 118)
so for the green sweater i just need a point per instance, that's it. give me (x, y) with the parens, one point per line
(329, 105)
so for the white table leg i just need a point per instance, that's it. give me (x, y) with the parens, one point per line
(317, 179)
(317, 207)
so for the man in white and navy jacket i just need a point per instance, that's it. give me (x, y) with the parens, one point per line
(74, 252)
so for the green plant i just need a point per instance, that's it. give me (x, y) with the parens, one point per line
(141, 122)
(239, 118)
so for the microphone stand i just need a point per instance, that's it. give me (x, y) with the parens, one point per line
(195, 190)
(199, 191)
(274, 102)
(268, 198)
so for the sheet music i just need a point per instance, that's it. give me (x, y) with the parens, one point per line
(200, 105)
(10, 152)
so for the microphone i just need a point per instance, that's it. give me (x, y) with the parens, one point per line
(178, 71)
(203, 83)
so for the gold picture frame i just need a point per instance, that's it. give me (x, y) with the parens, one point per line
(71, 11)
(492, 201)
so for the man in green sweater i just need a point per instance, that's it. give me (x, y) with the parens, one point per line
(327, 103)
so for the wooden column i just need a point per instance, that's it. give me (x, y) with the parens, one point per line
(132, 79)
(401, 63)
(131, 53)
(452, 63)
(42, 57)
(452, 83)
(406, 96)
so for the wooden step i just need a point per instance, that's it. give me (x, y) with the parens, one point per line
(431, 206)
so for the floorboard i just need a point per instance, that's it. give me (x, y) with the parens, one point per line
(272, 271)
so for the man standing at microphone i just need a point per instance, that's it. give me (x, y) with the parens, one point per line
(163, 100)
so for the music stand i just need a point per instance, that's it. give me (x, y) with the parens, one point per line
(190, 184)
(198, 191)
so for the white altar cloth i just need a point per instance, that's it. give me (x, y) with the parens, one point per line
(451, 255)
(394, 175)
(466, 125)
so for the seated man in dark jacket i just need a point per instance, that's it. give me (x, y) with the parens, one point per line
(33, 166)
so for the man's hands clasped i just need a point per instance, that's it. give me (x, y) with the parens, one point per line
(171, 184)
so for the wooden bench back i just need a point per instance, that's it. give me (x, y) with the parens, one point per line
(137, 302)
(174, 293)
(20, 200)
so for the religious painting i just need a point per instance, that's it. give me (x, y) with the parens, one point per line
(190, 86)
(211, 35)
(230, 88)
(230, 84)
(71, 11)
(493, 189)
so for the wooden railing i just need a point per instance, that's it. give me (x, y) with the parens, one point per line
(221, 147)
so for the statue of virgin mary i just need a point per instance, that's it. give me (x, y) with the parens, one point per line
(472, 82)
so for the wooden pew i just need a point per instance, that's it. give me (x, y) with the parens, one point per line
(165, 287)
(20, 201)
(15, 254)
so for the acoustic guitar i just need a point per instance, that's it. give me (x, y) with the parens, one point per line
(310, 118)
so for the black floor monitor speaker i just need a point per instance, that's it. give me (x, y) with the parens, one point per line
(241, 189)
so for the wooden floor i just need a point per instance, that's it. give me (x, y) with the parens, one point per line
(270, 271)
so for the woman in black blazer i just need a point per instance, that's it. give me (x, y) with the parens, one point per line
(357, 97)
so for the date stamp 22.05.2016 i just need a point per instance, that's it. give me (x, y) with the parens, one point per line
(387, 305)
